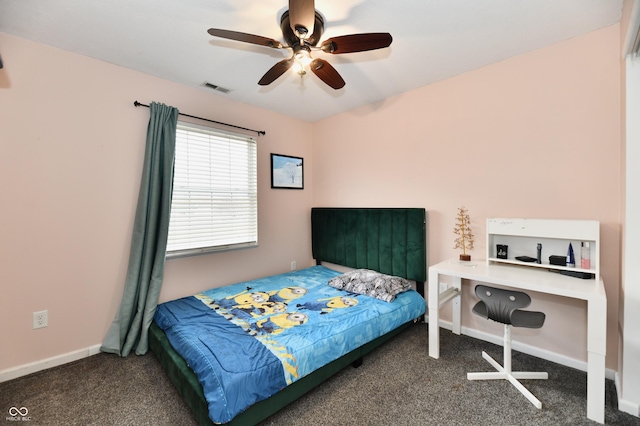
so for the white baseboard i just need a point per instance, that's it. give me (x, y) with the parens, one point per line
(33, 367)
(624, 405)
(528, 349)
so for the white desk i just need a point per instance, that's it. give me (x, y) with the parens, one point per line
(542, 281)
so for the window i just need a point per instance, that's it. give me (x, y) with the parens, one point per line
(215, 196)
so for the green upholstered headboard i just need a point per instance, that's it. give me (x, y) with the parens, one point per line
(387, 240)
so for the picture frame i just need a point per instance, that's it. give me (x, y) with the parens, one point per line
(287, 172)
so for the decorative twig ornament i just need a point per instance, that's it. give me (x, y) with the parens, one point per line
(463, 230)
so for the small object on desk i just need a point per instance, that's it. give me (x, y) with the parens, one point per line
(526, 259)
(502, 250)
(571, 260)
(585, 256)
(557, 260)
(539, 259)
(575, 274)
(465, 239)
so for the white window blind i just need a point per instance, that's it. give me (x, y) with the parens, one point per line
(215, 196)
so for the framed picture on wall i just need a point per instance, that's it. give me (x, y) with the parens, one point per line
(287, 172)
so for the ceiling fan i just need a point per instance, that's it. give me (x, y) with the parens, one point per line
(302, 28)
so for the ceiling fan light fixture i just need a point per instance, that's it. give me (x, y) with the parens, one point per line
(303, 56)
(302, 60)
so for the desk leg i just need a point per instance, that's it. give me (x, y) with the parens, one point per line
(456, 310)
(433, 304)
(596, 351)
(595, 387)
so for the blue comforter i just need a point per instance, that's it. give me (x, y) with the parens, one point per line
(247, 341)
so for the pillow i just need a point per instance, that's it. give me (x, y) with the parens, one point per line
(371, 283)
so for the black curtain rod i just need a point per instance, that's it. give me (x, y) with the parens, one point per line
(259, 132)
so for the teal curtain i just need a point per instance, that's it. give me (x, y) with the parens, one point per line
(149, 240)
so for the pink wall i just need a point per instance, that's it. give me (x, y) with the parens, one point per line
(534, 136)
(72, 146)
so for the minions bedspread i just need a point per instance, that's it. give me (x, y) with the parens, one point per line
(247, 341)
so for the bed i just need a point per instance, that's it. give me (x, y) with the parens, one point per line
(294, 329)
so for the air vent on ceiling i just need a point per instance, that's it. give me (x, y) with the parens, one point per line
(216, 87)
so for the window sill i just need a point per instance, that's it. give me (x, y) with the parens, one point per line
(177, 254)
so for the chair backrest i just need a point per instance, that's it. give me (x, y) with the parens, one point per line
(504, 306)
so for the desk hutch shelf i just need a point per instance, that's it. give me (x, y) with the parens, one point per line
(523, 235)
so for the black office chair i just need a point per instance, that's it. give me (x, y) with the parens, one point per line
(504, 306)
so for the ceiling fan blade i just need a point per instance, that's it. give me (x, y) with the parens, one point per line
(327, 73)
(276, 71)
(302, 17)
(244, 37)
(356, 43)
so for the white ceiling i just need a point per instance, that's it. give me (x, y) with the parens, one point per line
(432, 40)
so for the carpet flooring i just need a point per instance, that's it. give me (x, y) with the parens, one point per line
(398, 384)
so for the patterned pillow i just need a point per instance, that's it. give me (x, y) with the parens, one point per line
(371, 283)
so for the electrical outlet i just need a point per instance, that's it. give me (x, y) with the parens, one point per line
(40, 319)
(293, 265)
(443, 287)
